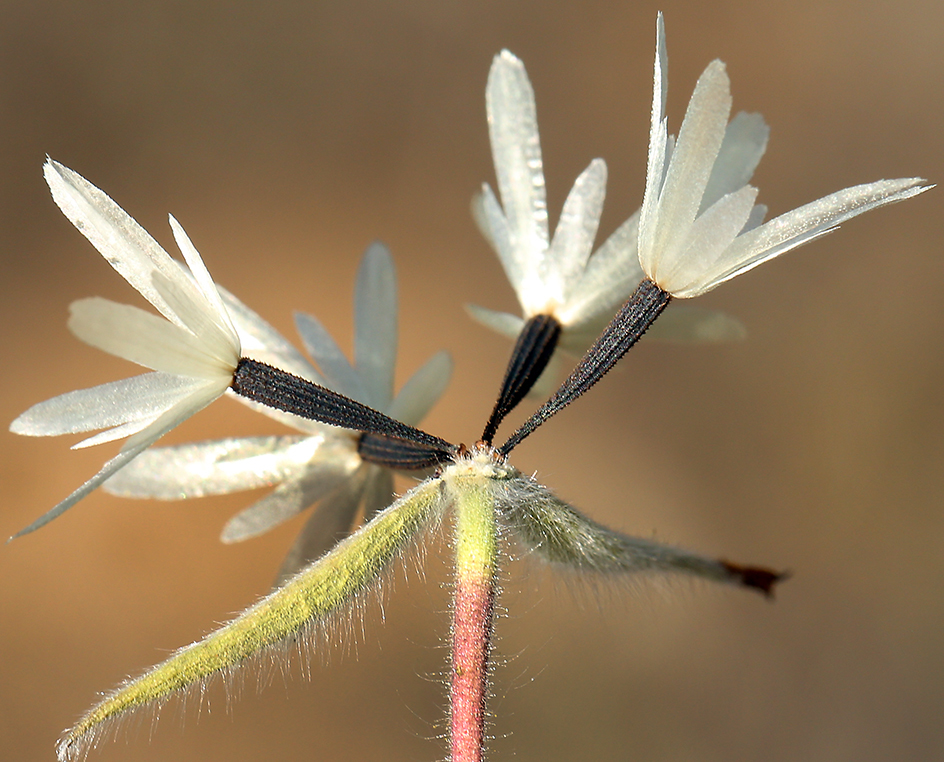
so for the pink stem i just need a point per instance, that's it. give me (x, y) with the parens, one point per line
(472, 615)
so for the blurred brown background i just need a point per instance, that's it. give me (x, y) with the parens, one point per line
(286, 136)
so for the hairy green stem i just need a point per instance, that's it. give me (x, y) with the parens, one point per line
(472, 618)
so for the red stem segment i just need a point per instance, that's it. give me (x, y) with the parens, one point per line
(471, 642)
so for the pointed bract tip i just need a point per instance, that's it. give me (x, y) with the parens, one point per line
(660, 38)
(54, 172)
(757, 577)
(50, 170)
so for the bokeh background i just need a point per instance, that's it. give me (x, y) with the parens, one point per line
(286, 136)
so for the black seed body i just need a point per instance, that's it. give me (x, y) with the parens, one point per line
(400, 454)
(278, 389)
(625, 329)
(532, 352)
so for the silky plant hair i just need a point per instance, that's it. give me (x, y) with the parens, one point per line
(699, 225)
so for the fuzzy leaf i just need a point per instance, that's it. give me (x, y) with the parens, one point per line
(326, 589)
(560, 534)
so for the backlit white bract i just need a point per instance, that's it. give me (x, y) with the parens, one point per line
(192, 350)
(322, 464)
(699, 225)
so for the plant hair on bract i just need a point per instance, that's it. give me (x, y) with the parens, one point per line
(300, 616)
(556, 532)
(289, 620)
(296, 617)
